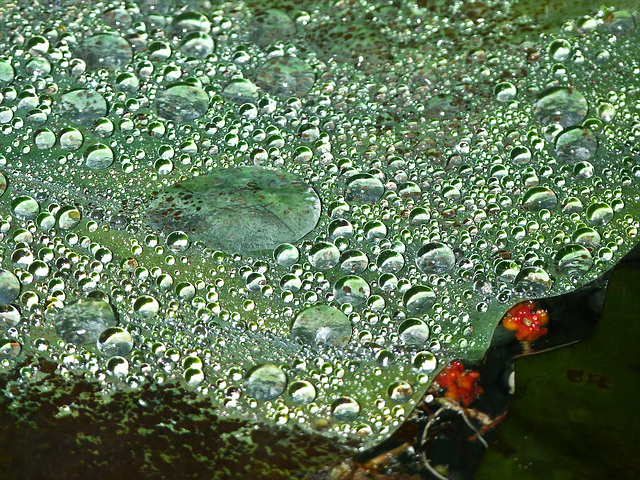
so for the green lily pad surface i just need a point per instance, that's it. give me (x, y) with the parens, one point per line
(304, 228)
(573, 415)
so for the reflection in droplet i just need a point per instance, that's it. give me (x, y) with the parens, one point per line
(239, 209)
(9, 287)
(265, 382)
(115, 341)
(533, 281)
(324, 255)
(345, 409)
(286, 77)
(599, 213)
(182, 102)
(576, 144)
(561, 105)
(413, 332)
(435, 257)
(84, 320)
(363, 188)
(105, 50)
(573, 260)
(302, 392)
(322, 325)
(82, 106)
(351, 289)
(539, 198)
(425, 362)
(418, 299)
(400, 391)
(25, 207)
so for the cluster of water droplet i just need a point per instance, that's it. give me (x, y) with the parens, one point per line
(300, 214)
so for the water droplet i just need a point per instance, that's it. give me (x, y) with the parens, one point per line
(25, 207)
(265, 382)
(413, 332)
(533, 281)
(322, 325)
(560, 50)
(238, 210)
(539, 198)
(182, 102)
(107, 51)
(363, 188)
(115, 341)
(9, 287)
(302, 392)
(83, 321)
(82, 106)
(573, 260)
(351, 289)
(575, 144)
(400, 391)
(286, 254)
(425, 362)
(418, 299)
(286, 77)
(561, 105)
(98, 156)
(345, 409)
(435, 257)
(324, 255)
(599, 213)
(505, 92)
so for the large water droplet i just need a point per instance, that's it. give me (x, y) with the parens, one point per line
(322, 325)
(84, 320)
(562, 105)
(239, 209)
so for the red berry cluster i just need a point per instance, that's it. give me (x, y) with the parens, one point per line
(460, 385)
(527, 321)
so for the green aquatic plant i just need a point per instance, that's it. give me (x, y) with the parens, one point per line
(302, 212)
